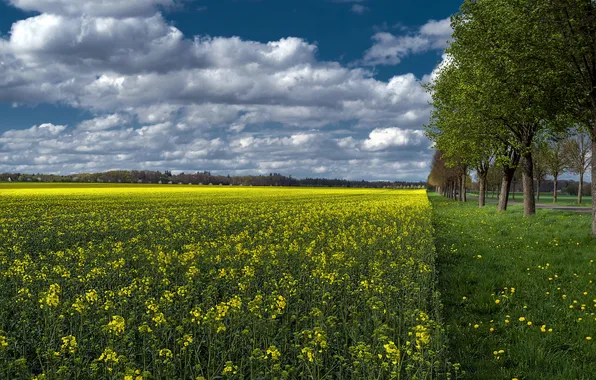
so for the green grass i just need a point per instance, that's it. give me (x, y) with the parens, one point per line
(547, 259)
(546, 198)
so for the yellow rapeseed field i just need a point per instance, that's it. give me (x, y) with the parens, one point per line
(204, 282)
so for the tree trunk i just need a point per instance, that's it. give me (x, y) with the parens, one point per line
(537, 189)
(463, 187)
(459, 194)
(581, 185)
(555, 188)
(527, 167)
(505, 187)
(482, 192)
(594, 176)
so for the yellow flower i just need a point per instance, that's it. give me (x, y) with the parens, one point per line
(392, 352)
(91, 296)
(69, 343)
(273, 352)
(51, 298)
(116, 325)
(310, 356)
(166, 353)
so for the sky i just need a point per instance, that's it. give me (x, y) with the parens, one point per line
(309, 88)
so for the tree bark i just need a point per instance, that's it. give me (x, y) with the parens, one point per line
(594, 175)
(555, 188)
(463, 187)
(482, 192)
(581, 185)
(528, 184)
(505, 187)
(537, 189)
(459, 187)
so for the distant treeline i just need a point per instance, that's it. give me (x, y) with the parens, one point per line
(204, 178)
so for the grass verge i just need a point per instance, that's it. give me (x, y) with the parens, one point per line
(518, 293)
(545, 198)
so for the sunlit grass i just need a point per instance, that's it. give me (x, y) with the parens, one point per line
(519, 295)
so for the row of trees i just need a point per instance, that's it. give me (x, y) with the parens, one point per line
(518, 85)
(204, 177)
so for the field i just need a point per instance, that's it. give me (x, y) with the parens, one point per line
(547, 198)
(188, 282)
(519, 294)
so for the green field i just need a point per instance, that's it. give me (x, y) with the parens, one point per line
(207, 282)
(546, 198)
(506, 281)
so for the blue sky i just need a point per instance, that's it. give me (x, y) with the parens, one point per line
(309, 88)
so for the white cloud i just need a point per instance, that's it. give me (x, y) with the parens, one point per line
(99, 8)
(390, 49)
(384, 138)
(103, 123)
(162, 100)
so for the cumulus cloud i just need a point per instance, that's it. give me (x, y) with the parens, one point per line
(103, 123)
(390, 49)
(383, 138)
(103, 8)
(163, 100)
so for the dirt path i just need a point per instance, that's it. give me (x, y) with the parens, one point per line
(586, 210)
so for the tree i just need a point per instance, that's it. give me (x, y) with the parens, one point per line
(464, 136)
(575, 24)
(482, 172)
(577, 154)
(540, 168)
(519, 84)
(555, 162)
(444, 178)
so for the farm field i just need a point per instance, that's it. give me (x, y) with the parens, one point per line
(518, 293)
(188, 282)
